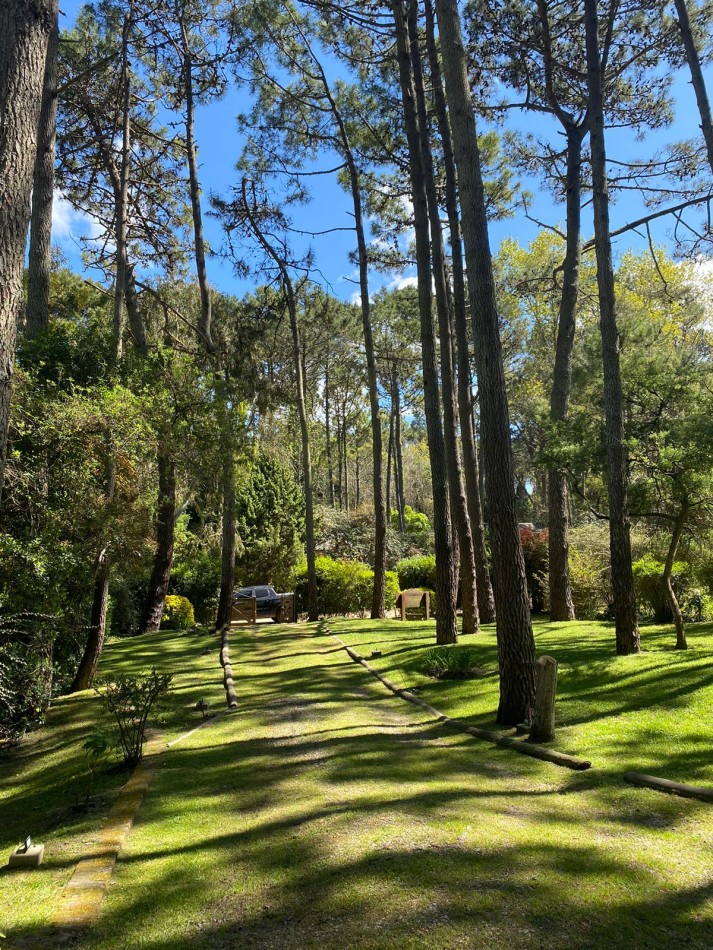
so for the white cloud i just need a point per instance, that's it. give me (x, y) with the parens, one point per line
(398, 283)
(69, 224)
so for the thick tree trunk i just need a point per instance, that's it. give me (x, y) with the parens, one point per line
(561, 606)
(163, 557)
(40, 256)
(627, 630)
(136, 322)
(227, 571)
(459, 505)
(681, 642)
(516, 648)
(25, 26)
(484, 589)
(697, 80)
(446, 623)
(195, 191)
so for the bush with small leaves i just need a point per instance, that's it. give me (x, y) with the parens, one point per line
(419, 571)
(451, 662)
(177, 613)
(130, 699)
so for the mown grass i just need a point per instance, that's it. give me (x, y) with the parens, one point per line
(43, 783)
(328, 813)
(649, 713)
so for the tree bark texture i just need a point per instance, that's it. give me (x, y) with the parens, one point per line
(400, 497)
(459, 504)
(121, 197)
(163, 556)
(328, 438)
(627, 630)
(484, 589)
(40, 255)
(446, 623)
(227, 571)
(681, 642)
(561, 605)
(697, 80)
(516, 648)
(25, 26)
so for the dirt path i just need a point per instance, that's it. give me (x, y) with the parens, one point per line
(326, 813)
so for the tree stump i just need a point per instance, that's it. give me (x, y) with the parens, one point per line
(543, 720)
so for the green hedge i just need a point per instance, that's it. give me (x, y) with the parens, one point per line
(418, 571)
(343, 587)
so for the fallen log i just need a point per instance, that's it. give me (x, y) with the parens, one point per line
(699, 792)
(231, 695)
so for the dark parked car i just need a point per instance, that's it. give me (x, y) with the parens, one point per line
(268, 601)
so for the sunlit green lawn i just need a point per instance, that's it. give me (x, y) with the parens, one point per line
(328, 813)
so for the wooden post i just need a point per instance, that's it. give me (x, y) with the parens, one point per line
(543, 720)
(253, 605)
(427, 605)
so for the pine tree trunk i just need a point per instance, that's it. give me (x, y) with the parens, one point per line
(25, 26)
(121, 197)
(328, 438)
(163, 557)
(227, 571)
(681, 642)
(195, 192)
(627, 630)
(389, 458)
(484, 589)
(446, 622)
(561, 606)
(40, 255)
(697, 80)
(459, 505)
(398, 456)
(84, 676)
(516, 648)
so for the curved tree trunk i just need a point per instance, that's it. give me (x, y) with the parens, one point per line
(697, 80)
(40, 255)
(446, 622)
(459, 505)
(163, 557)
(561, 606)
(25, 26)
(627, 629)
(516, 647)
(681, 642)
(484, 589)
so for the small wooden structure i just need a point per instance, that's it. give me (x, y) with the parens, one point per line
(288, 611)
(543, 720)
(244, 609)
(414, 599)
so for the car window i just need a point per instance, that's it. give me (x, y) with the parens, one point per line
(262, 591)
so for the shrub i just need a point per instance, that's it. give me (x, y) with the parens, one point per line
(589, 570)
(25, 673)
(343, 587)
(130, 699)
(536, 554)
(196, 570)
(177, 613)
(419, 571)
(650, 593)
(451, 662)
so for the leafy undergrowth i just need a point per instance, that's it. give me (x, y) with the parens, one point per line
(648, 713)
(327, 813)
(44, 781)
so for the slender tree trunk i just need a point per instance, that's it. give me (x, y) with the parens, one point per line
(389, 458)
(484, 589)
(561, 605)
(356, 479)
(86, 672)
(313, 607)
(398, 457)
(681, 642)
(328, 438)
(163, 556)
(346, 463)
(195, 191)
(459, 505)
(627, 630)
(25, 26)
(136, 322)
(697, 80)
(40, 256)
(516, 647)
(446, 623)
(227, 571)
(122, 198)
(340, 463)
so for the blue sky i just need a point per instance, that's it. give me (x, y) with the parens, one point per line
(219, 142)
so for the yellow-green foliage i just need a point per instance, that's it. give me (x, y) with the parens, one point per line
(177, 613)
